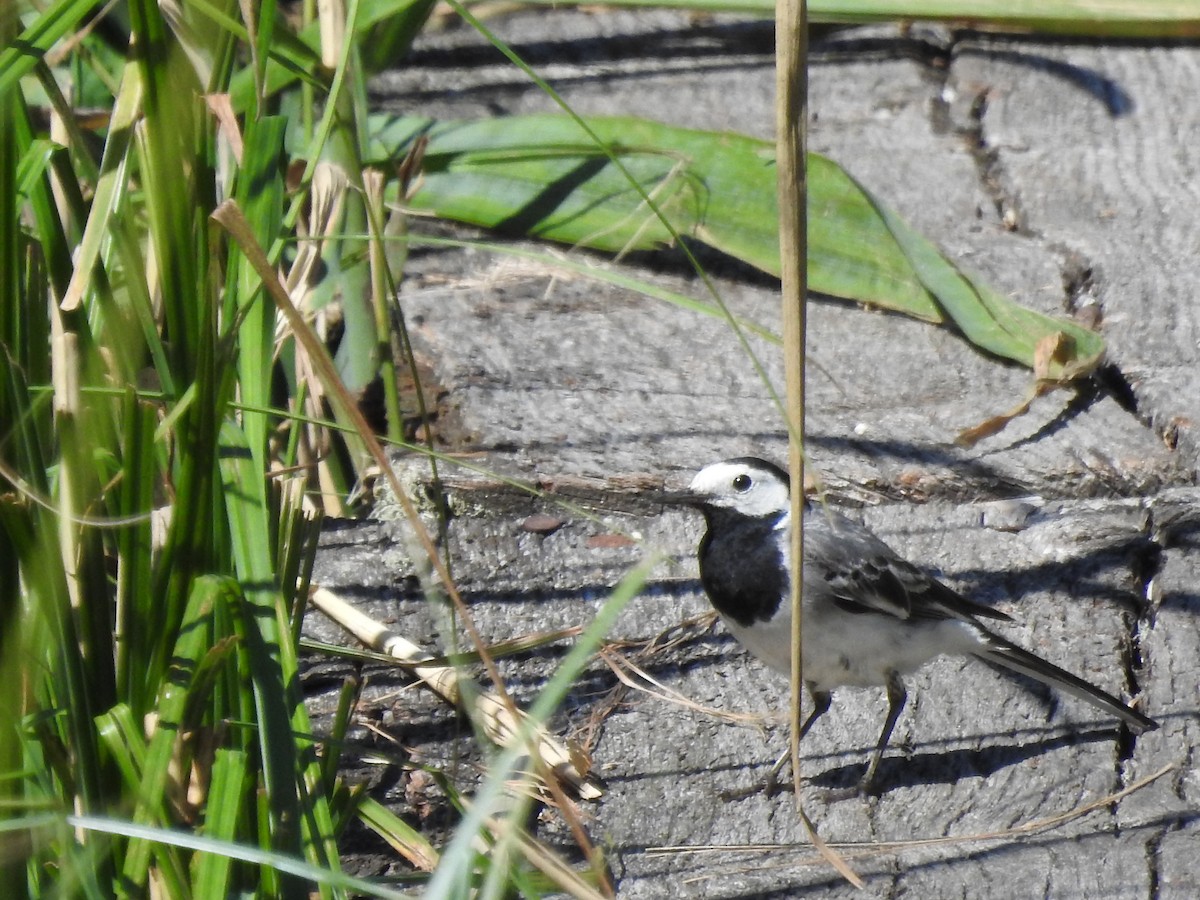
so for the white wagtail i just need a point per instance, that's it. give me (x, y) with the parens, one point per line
(869, 616)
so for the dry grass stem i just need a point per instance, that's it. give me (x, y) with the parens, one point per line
(623, 667)
(493, 714)
(866, 851)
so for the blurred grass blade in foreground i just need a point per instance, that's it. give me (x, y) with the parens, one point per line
(1084, 18)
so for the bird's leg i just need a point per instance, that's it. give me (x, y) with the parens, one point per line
(772, 784)
(821, 701)
(896, 697)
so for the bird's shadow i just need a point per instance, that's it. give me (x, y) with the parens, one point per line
(949, 766)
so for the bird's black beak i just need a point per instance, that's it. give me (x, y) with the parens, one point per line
(680, 498)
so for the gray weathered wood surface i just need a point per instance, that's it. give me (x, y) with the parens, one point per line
(1090, 149)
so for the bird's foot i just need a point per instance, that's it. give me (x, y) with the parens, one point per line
(837, 795)
(865, 788)
(768, 787)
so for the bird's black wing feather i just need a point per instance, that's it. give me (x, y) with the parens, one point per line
(877, 580)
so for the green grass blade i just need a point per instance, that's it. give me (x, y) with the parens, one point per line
(452, 878)
(134, 498)
(49, 228)
(186, 841)
(301, 823)
(266, 16)
(226, 802)
(290, 58)
(34, 164)
(250, 530)
(169, 142)
(18, 58)
(401, 836)
(189, 650)
(1114, 18)
(10, 218)
(125, 741)
(1091, 18)
(259, 191)
(112, 241)
(384, 30)
(347, 703)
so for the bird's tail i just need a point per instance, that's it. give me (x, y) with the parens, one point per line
(1009, 656)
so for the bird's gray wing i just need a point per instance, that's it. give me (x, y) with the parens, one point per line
(862, 574)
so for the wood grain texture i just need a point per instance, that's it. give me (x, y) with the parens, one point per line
(1094, 151)
(1066, 175)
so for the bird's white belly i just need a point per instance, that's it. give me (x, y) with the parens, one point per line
(855, 650)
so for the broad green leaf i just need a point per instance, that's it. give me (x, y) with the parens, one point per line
(543, 176)
(990, 320)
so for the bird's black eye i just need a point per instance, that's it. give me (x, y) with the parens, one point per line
(741, 483)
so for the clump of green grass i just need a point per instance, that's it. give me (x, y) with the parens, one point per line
(157, 522)
(166, 449)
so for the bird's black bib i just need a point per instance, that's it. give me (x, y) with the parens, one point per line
(743, 569)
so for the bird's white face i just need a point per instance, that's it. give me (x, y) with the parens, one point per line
(744, 487)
